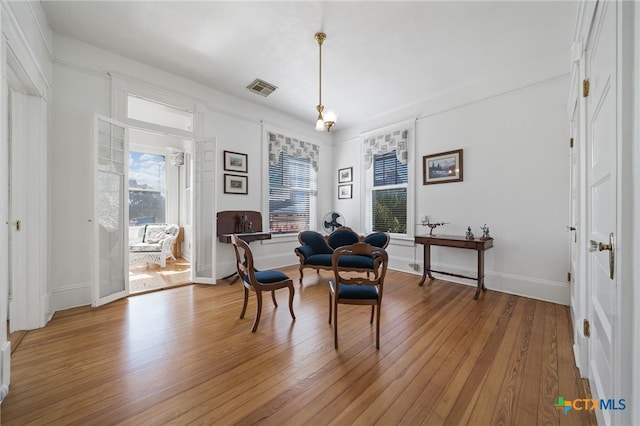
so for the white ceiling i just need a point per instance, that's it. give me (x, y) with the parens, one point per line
(378, 56)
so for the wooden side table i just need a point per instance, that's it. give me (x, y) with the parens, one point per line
(477, 244)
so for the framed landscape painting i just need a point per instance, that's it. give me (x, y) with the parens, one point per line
(235, 162)
(344, 191)
(442, 168)
(345, 175)
(235, 184)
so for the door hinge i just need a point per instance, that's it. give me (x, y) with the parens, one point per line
(586, 328)
(585, 88)
(569, 276)
(571, 143)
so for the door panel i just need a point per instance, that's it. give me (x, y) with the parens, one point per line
(203, 265)
(601, 176)
(111, 215)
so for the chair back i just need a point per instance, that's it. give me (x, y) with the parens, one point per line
(377, 239)
(316, 241)
(346, 276)
(342, 236)
(244, 260)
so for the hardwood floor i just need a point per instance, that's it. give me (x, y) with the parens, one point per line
(183, 356)
(145, 277)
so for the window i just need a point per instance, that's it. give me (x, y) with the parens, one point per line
(147, 188)
(387, 182)
(389, 194)
(292, 184)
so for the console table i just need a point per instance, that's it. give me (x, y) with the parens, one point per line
(477, 244)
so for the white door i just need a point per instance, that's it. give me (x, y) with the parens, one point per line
(578, 297)
(602, 204)
(204, 212)
(111, 212)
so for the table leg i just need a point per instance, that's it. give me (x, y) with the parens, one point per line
(480, 278)
(426, 264)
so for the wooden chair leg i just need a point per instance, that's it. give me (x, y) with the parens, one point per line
(378, 328)
(373, 308)
(335, 326)
(292, 292)
(245, 301)
(301, 274)
(258, 311)
(273, 297)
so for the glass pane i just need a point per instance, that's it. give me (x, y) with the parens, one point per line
(390, 210)
(160, 114)
(147, 188)
(204, 191)
(292, 194)
(110, 188)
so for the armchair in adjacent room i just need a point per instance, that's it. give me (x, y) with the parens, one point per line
(154, 244)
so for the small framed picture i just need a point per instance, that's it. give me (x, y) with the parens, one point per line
(235, 184)
(235, 162)
(442, 168)
(344, 191)
(345, 175)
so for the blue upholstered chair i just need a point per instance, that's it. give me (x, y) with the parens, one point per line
(258, 281)
(315, 251)
(357, 288)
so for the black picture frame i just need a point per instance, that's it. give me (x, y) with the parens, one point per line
(345, 191)
(236, 162)
(345, 175)
(236, 184)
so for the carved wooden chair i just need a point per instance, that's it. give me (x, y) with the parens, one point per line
(258, 281)
(357, 287)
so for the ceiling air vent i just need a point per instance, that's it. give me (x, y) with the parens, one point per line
(261, 87)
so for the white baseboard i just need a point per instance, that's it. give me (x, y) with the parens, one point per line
(535, 288)
(70, 297)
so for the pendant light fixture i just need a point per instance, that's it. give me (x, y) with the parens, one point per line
(327, 118)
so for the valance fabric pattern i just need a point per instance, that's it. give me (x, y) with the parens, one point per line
(384, 143)
(294, 147)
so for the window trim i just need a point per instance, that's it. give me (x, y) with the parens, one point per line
(313, 222)
(366, 199)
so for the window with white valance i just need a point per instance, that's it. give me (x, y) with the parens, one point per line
(293, 184)
(386, 180)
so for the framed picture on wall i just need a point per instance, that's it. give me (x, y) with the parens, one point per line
(344, 191)
(235, 184)
(235, 162)
(345, 175)
(442, 168)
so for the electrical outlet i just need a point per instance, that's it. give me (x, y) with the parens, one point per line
(415, 266)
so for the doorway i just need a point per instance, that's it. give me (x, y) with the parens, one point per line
(156, 183)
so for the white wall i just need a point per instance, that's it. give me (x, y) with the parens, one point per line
(515, 143)
(81, 87)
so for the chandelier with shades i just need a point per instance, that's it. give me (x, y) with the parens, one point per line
(327, 118)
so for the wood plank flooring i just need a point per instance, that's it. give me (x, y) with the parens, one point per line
(183, 356)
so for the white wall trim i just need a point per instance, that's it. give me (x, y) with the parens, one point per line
(70, 296)
(18, 43)
(519, 285)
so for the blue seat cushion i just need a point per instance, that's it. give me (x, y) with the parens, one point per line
(319, 260)
(268, 277)
(354, 291)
